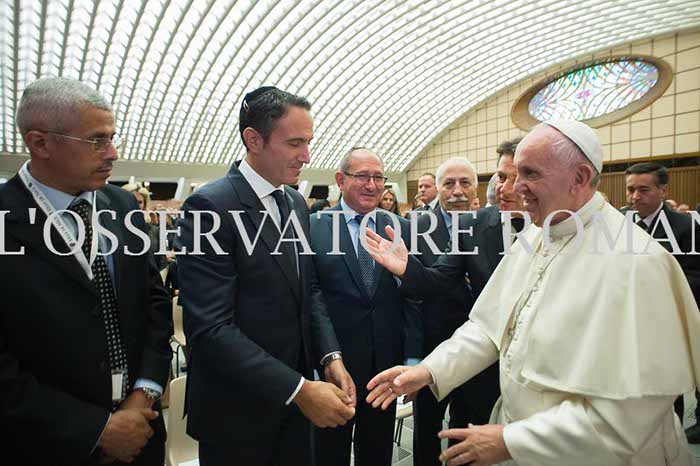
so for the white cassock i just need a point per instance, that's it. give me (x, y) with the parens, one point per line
(593, 348)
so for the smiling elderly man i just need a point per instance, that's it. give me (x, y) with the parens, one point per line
(593, 348)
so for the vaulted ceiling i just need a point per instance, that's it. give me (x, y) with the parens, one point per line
(388, 74)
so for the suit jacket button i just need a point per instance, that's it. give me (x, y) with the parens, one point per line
(104, 366)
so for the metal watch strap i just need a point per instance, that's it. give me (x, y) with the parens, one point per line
(330, 357)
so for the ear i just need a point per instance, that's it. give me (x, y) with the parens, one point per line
(583, 176)
(339, 180)
(253, 140)
(664, 191)
(37, 142)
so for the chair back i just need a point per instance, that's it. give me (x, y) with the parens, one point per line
(179, 447)
(179, 331)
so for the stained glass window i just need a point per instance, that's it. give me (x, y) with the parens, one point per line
(594, 91)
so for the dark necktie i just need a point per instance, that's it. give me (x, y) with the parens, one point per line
(366, 262)
(287, 247)
(642, 224)
(108, 300)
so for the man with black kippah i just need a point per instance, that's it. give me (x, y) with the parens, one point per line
(254, 318)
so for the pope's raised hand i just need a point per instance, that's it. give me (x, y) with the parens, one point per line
(393, 257)
(388, 385)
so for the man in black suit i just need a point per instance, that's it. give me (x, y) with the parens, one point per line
(376, 327)
(84, 327)
(444, 313)
(427, 189)
(647, 187)
(446, 277)
(255, 327)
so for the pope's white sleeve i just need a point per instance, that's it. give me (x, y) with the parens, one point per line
(587, 431)
(467, 352)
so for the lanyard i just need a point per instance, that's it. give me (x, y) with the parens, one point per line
(58, 221)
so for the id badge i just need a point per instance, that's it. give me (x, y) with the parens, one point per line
(118, 381)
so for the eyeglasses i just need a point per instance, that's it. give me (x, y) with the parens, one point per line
(98, 144)
(364, 178)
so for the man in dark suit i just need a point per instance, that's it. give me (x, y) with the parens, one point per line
(84, 352)
(376, 327)
(255, 327)
(647, 187)
(444, 313)
(427, 189)
(446, 276)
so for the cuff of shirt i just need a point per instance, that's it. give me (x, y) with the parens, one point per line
(294, 394)
(148, 383)
(414, 362)
(94, 449)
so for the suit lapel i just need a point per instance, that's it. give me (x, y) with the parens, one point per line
(493, 235)
(269, 233)
(31, 235)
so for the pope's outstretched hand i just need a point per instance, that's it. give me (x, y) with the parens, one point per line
(386, 386)
(392, 255)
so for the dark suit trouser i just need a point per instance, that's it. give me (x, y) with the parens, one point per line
(470, 403)
(428, 415)
(293, 446)
(374, 436)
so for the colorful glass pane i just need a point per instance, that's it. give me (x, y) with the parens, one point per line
(594, 91)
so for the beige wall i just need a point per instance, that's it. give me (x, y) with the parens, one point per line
(670, 126)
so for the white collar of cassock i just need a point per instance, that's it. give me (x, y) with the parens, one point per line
(585, 213)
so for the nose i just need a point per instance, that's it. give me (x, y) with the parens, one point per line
(111, 153)
(519, 186)
(305, 154)
(458, 191)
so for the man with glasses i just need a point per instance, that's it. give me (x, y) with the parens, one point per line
(84, 328)
(376, 327)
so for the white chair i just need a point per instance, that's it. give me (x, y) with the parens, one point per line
(179, 447)
(178, 333)
(402, 412)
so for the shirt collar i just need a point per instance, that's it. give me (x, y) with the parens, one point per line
(433, 203)
(58, 199)
(585, 214)
(651, 217)
(448, 219)
(260, 185)
(350, 214)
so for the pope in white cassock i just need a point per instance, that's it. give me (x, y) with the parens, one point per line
(595, 342)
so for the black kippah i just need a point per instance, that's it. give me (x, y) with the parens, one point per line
(251, 96)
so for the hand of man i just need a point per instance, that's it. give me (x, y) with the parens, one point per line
(336, 373)
(386, 386)
(478, 446)
(126, 433)
(392, 257)
(324, 404)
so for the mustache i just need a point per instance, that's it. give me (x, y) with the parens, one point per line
(454, 200)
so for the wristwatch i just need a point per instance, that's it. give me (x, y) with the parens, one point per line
(330, 357)
(151, 394)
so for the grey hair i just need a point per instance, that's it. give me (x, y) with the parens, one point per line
(345, 162)
(456, 161)
(491, 189)
(567, 151)
(53, 104)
